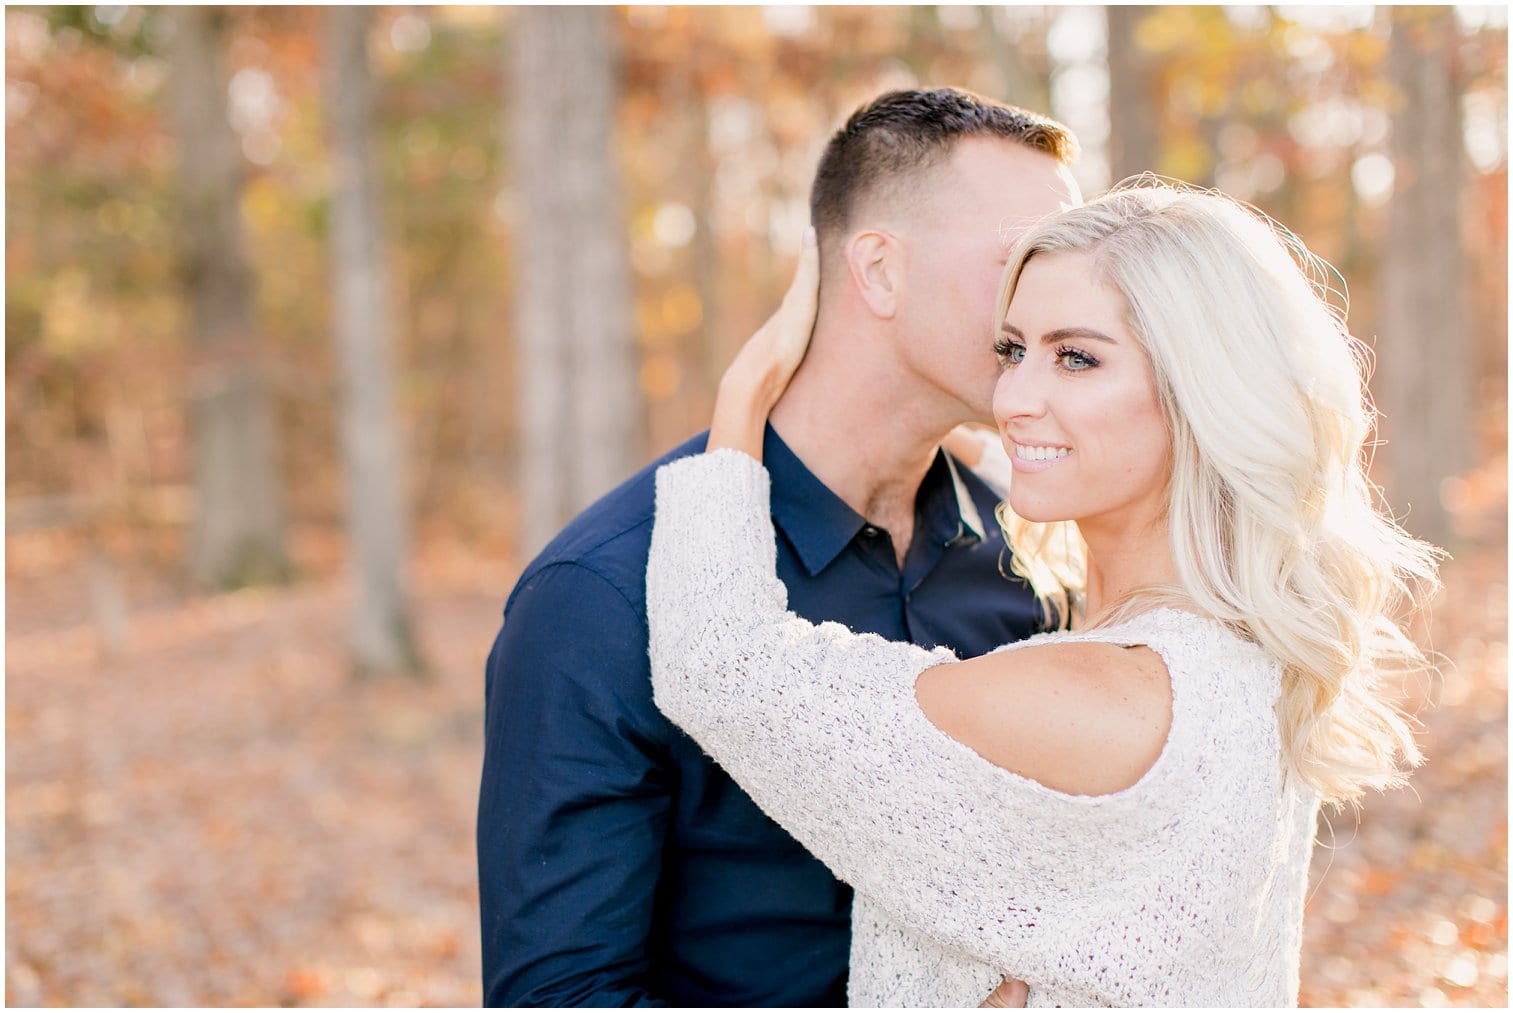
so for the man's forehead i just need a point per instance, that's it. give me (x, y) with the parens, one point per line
(982, 165)
(993, 185)
(1010, 226)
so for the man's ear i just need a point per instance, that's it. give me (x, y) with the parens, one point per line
(875, 260)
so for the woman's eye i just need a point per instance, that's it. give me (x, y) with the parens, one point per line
(1074, 360)
(1011, 352)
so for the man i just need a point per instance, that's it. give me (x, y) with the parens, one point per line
(617, 864)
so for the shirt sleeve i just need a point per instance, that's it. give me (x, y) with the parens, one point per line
(821, 727)
(574, 801)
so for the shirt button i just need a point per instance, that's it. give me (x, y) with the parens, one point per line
(870, 531)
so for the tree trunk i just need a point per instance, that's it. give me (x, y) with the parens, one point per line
(382, 643)
(573, 300)
(1426, 392)
(1023, 85)
(238, 530)
(1134, 141)
(716, 345)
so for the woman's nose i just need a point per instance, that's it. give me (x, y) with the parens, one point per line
(1021, 393)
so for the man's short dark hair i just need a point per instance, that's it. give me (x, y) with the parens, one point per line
(896, 136)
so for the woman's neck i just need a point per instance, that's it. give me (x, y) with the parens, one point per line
(1122, 560)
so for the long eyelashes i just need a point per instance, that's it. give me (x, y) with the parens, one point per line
(1074, 359)
(1069, 359)
(1010, 353)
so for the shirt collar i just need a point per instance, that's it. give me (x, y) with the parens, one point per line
(969, 521)
(816, 521)
(945, 510)
(819, 524)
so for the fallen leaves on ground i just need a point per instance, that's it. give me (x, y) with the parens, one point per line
(215, 813)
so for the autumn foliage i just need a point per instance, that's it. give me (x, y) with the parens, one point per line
(204, 808)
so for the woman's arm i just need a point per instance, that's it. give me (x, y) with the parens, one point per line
(822, 728)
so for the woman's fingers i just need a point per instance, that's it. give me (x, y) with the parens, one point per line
(1010, 994)
(803, 295)
(790, 327)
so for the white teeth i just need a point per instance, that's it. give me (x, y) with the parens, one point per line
(1025, 453)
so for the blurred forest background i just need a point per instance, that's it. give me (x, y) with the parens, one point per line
(319, 322)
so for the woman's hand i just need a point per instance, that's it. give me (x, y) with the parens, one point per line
(1010, 993)
(964, 444)
(761, 370)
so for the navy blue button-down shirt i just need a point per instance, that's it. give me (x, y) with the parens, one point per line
(617, 864)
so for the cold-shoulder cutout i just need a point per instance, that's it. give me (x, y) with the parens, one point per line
(1081, 718)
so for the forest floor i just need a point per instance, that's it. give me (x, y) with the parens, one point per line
(212, 811)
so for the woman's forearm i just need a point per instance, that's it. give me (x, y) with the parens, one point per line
(740, 413)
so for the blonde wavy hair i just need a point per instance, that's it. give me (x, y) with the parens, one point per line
(1274, 524)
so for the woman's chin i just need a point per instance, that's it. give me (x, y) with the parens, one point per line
(1037, 512)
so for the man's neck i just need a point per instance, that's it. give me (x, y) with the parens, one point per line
(867, 430)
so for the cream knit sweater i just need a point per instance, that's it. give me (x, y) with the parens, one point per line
(1183, 889)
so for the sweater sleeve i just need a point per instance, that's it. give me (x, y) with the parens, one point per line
(821, 727)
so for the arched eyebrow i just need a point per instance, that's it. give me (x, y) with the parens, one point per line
(1062, 334)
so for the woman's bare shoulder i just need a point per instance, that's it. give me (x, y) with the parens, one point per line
(1079, 717)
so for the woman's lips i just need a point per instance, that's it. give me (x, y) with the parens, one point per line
(1031, 457)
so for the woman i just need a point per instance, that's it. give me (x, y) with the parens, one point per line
(1122, 811)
